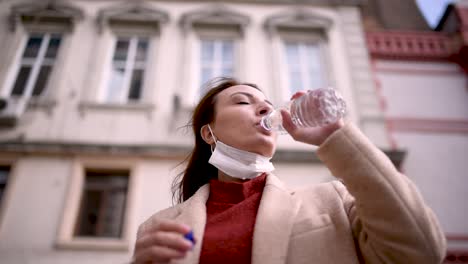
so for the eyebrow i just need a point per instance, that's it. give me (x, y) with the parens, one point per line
(250, 96)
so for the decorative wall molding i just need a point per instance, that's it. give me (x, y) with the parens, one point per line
(427, 125)
(46, 12)
(298, 19)
(217, 15)
(158, 151)
(410, 45)
(133, 14)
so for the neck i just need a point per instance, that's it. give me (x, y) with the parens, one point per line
(226, 178)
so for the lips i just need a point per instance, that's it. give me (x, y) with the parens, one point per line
(262, 129)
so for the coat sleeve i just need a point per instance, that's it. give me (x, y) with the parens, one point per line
(389, 219)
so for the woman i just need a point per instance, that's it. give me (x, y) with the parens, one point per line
(239, 212)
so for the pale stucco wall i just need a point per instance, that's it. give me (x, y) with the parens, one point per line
(433, 97)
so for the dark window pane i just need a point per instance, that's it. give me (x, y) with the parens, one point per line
(142, 50)
(121, 50)
(21, 80)
(89, 213)
(41, 80)
(103, 204)
(4, 172)
(32, 48)
(54, 45)
(136, 84)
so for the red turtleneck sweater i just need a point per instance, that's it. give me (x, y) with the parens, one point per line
(231, 212)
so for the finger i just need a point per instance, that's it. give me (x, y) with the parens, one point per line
(158, 254)
(298, 94)
(168, 225)
(168, 239)
(288, 123)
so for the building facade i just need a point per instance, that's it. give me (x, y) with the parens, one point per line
(421, 78)
(97, 95)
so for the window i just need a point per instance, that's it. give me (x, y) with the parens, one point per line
(213, 47)
(99, 207)
(4, 173)
(36, 64)
(217, 59)
(102, 206)
(300, 59)
(304, 66)
(127, 70)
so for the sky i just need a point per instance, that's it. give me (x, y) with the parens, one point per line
(433, 10)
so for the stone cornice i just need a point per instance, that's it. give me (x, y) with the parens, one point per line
(48, 12)
(169, 152)
(285, 2)
(134, 13)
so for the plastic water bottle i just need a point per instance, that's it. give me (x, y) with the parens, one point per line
(316, 108)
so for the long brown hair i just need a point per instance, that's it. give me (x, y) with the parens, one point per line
(198, 171)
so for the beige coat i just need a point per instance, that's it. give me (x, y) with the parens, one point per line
(379, 217)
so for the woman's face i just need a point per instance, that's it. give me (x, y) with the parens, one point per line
(238, 111)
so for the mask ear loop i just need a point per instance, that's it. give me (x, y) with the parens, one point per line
(214, 137)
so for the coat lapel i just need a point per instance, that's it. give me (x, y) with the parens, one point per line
(193, 213)
(275, 218)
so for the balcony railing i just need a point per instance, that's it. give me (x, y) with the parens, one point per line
(409, 45)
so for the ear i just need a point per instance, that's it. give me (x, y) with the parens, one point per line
(206, 135)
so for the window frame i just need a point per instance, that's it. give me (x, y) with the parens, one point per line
(17, 63)
(302, 38)
(192, 71)
(129, 68)
(66, 238)
(199, 64)
(9, 161)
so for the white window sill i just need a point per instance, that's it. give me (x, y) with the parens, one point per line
(41, 103)
(94, 243)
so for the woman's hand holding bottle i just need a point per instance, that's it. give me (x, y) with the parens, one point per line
(314, 135)
(162, 242)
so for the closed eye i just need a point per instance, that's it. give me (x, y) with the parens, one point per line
(244, 103)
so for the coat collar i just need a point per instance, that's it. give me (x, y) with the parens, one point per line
(275, 218)
(273, 225)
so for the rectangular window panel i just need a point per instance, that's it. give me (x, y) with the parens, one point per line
(36, 64)
(207, 51)
(4, 173)
(116, 87)
(32, 47)
(53, 47)
(217, 59)
(142, 50)
(135, 85)
(41, 80)
(127, 73)
(21, 80)
(227, 52)
(305, 69)
(102, 208)
(121, 50)
(314, 66)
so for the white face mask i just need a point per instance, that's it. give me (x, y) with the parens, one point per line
(238, 163)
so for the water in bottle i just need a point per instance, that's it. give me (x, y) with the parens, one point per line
(316, 108)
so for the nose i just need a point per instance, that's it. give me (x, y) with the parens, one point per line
(264, 109)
